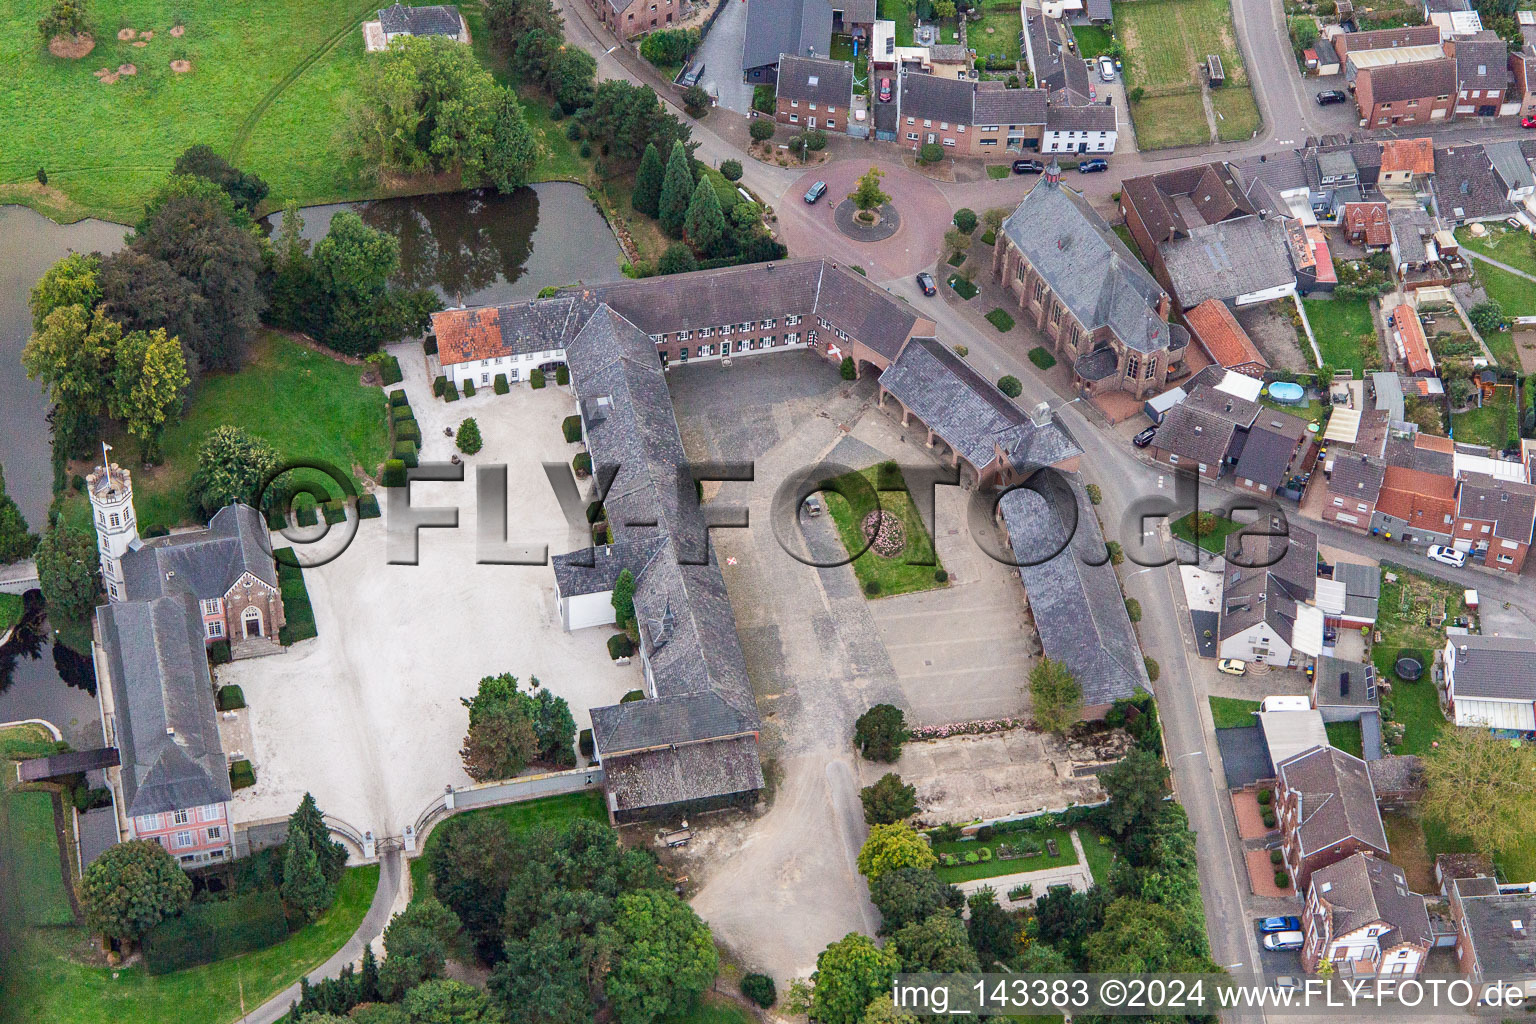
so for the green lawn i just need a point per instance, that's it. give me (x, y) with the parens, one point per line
(1494, 424)
(1000, 319)
(1345, 736)
(1502, 345)
(1130, 243)
(1237, 116)
(713, 1009)
(57, 979)
(1507, 245)
(33, 850)
(1099, 853)
(553, 811)
(842, 49)
(996, 171)
(1215, 541)
(996, 33)
(1233, 712)
(1514, 293)
(1092, 40)
(963, 288)
(1166, 42)
(1346, 333)
(915, 567)
(1163, 122)
(11, 607)
(963, 872)
(1423, 839)
(899, 11)
(1402, 626)
(307, 404)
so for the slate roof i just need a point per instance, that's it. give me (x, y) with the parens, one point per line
(948, 53)
(1228, 259)
(442, 20)
(815, 80)
(1509, 506)
(1388, 38)
(1411, 226)
(1338, 800)
(1195, 434)
(1282, 170)
(1510, 164)
(1466, 187)
(1423, 452)
(1089, 269)
(1270, 446)
(1495, 667)
(1094, 117)
(1362, 890)
(940, 100)
(1099, 10)
(968, 412)
(857, 12)
(1222, 337)
(1078, 607)
(1419, 80)
(1482, 62)
(595, 570)
(167, 729)
(1500, 950)
(1004, 106)
(204, 563)
(775, 27)
(1210, 398)
(697, 771)
(1358, 477)
(488, 332)
(1266, 577)
(1173, 203)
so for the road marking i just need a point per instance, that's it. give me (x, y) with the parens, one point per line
(1192, 753)
(611, 49)
(1238, 964)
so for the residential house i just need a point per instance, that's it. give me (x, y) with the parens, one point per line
(1522, 71)
(1271, 454)
(1212, 324)
(630, 18)
(1387, 39)
(1413, 231)
(1062, 73)
(1090, 129)
(854, 18)
(1354, 485)
(1073, 591)
(776, 27)
(1275, 184)
(1361, 917)
(398, 21)
(1325, 804)
(1195, 440)
(1482, 74)
(1394, 93)
(1427, 453)
(1170, 205)
(1269, 585)
(1511, 164)
(814, 93)
(1406, 162)
(1339, 173)
(1415, 507)
(1491, 682)
(968, 118)
(1495, 934)
(1070, 277)
(1310, 258)
(1350, 598)
(1365, 225)
(1408, 341)
(1494, 520)
(1343, 690)
(1466, 187)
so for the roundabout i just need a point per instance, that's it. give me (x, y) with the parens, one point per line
(882, 224)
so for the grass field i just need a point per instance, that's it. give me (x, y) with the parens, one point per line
(1402, 626)
(1099, 854)
(1494, 424)
(27, 839)
(1092, 40)
(1215, 541)
(899, 11)
(1514, 293)
(308, 405)
(1163, 122)
(1167, 42)
(58, 977)
(554, 811)
(713, 1009)
(1237, 114)
(1346, 736)
(962, 872)
(1515, 248)
(1233, 712)
(915, 567)
(1346, 333)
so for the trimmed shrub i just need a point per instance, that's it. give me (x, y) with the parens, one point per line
(408, 453)
(1276, 857)
(582, 464)
(500, 385)
(307, 516)
(429, 344)
(1000, 319)
(973, 858)
(389, 369)
(872, 588)
(469, 389)
(206, 932)
(368, 506)
(1153, 669)
(760, 989)
(1266, 797)
(584, 744)
(930, 153)
(965, 219)
(1269, 818)
(571, 428)
(762, 129)
(401, 414)
(986, 853)
(536, 378)
(218, 652)
(1282, 879)
(398, 398)
(394, 473)
(335, 511)
(620, 646)
(231, 698)
(940, 576)
(562, 375)
(451, 392)
(242, 775)
(1010, 386)
(730, 170)
(632, 695)
(1041, 358)
(407, 430)
(439, 385)
(846, 369)
(595, 511)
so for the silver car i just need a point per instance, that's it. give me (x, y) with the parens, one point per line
(1106, 69)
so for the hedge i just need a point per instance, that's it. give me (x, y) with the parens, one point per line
(584, 744)
(429, 344)
(620, 646)
(499, 385)
(402, 412)
(231, 698)
(536, 378)
(206, 932)
(307, 516)
(450, 392)
(296, 606)
(562, 375)
(368, 506)
(406, 452)
(398, 398)
(469, 389)
(439, 385)
(760, 989)
(389, 370)
(407, 430)
(335, 511)
(1041, 358)
(571, 428)
(1000, 319)
(582, 463)
(242, 775)
(394, 473)
(632, 695)
(218, 652)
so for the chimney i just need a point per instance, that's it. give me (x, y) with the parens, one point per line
(170, 730)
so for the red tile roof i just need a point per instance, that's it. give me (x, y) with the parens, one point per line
(1368, 220)
(1406, 328)
(467, 334)
(1321, 257)
(1219, 333)
(1415, 155)
(1417, 498)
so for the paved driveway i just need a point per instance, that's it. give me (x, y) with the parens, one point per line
(367, 714)
(721, 54)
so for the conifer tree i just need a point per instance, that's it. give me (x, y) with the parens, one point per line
(647, 194)
(676, 191)
(705, 222)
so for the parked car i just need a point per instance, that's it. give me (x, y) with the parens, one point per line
(885, 90)
(812, 506)
(1277, 942)
(1528, 122)
(1090, 166)
(1106, 69)
(1028, 167)
(925, 282)
(1287, 982)
(1446, 556)
(1144, 438)
(815, 192)
(1328, 97)
(1232, 667)
(1279, 924)
(694, 74)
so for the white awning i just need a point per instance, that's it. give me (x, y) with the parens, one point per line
(1331, 595)
(1308, 635)
(1343, 425)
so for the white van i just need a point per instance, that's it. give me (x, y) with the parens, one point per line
(1285, 704)
(1278, 942)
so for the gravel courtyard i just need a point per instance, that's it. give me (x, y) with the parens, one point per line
(367, 714)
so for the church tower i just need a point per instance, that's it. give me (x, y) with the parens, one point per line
(117, 530)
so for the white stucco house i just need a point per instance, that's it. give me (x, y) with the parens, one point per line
(1090, 130)
(1492, 682)
(1361, 916)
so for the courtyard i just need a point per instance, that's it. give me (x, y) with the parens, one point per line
(367, 715)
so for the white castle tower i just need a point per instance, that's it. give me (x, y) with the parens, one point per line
(117, 529)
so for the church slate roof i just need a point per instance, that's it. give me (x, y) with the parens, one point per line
(167, 730)
(1086, 265)
(204, 563)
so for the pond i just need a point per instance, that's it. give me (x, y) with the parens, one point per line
(470, 247)
(42, 678)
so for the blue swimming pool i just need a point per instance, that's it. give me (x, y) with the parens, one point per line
(1282, 391)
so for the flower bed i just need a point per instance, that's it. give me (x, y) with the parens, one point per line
(979, 727)
(884, 532)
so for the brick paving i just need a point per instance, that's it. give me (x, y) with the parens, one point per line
(1261, 876)
(1250, 819)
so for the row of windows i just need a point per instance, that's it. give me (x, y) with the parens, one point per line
(186, 838)
(811, 121)
(742, 345)
(831, 109)
(745, 327)
(525, 357)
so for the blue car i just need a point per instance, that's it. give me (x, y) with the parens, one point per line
(1270, 925)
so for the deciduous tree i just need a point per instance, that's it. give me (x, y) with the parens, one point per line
(664, 961)
(850, 973)
(908, 894)
(72, 281)
(893, 846)
(231, 466)
(1481, 787)
(442, 1001)
(867, 195)
(500, 744)
(358, 310)
(145, 294)
(937, 943)
(64, 18)
(571, 78)
(1056, 699)
(1136, 786)
(245, 190)
(148, 385)
(72, 357)
(131, 888)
